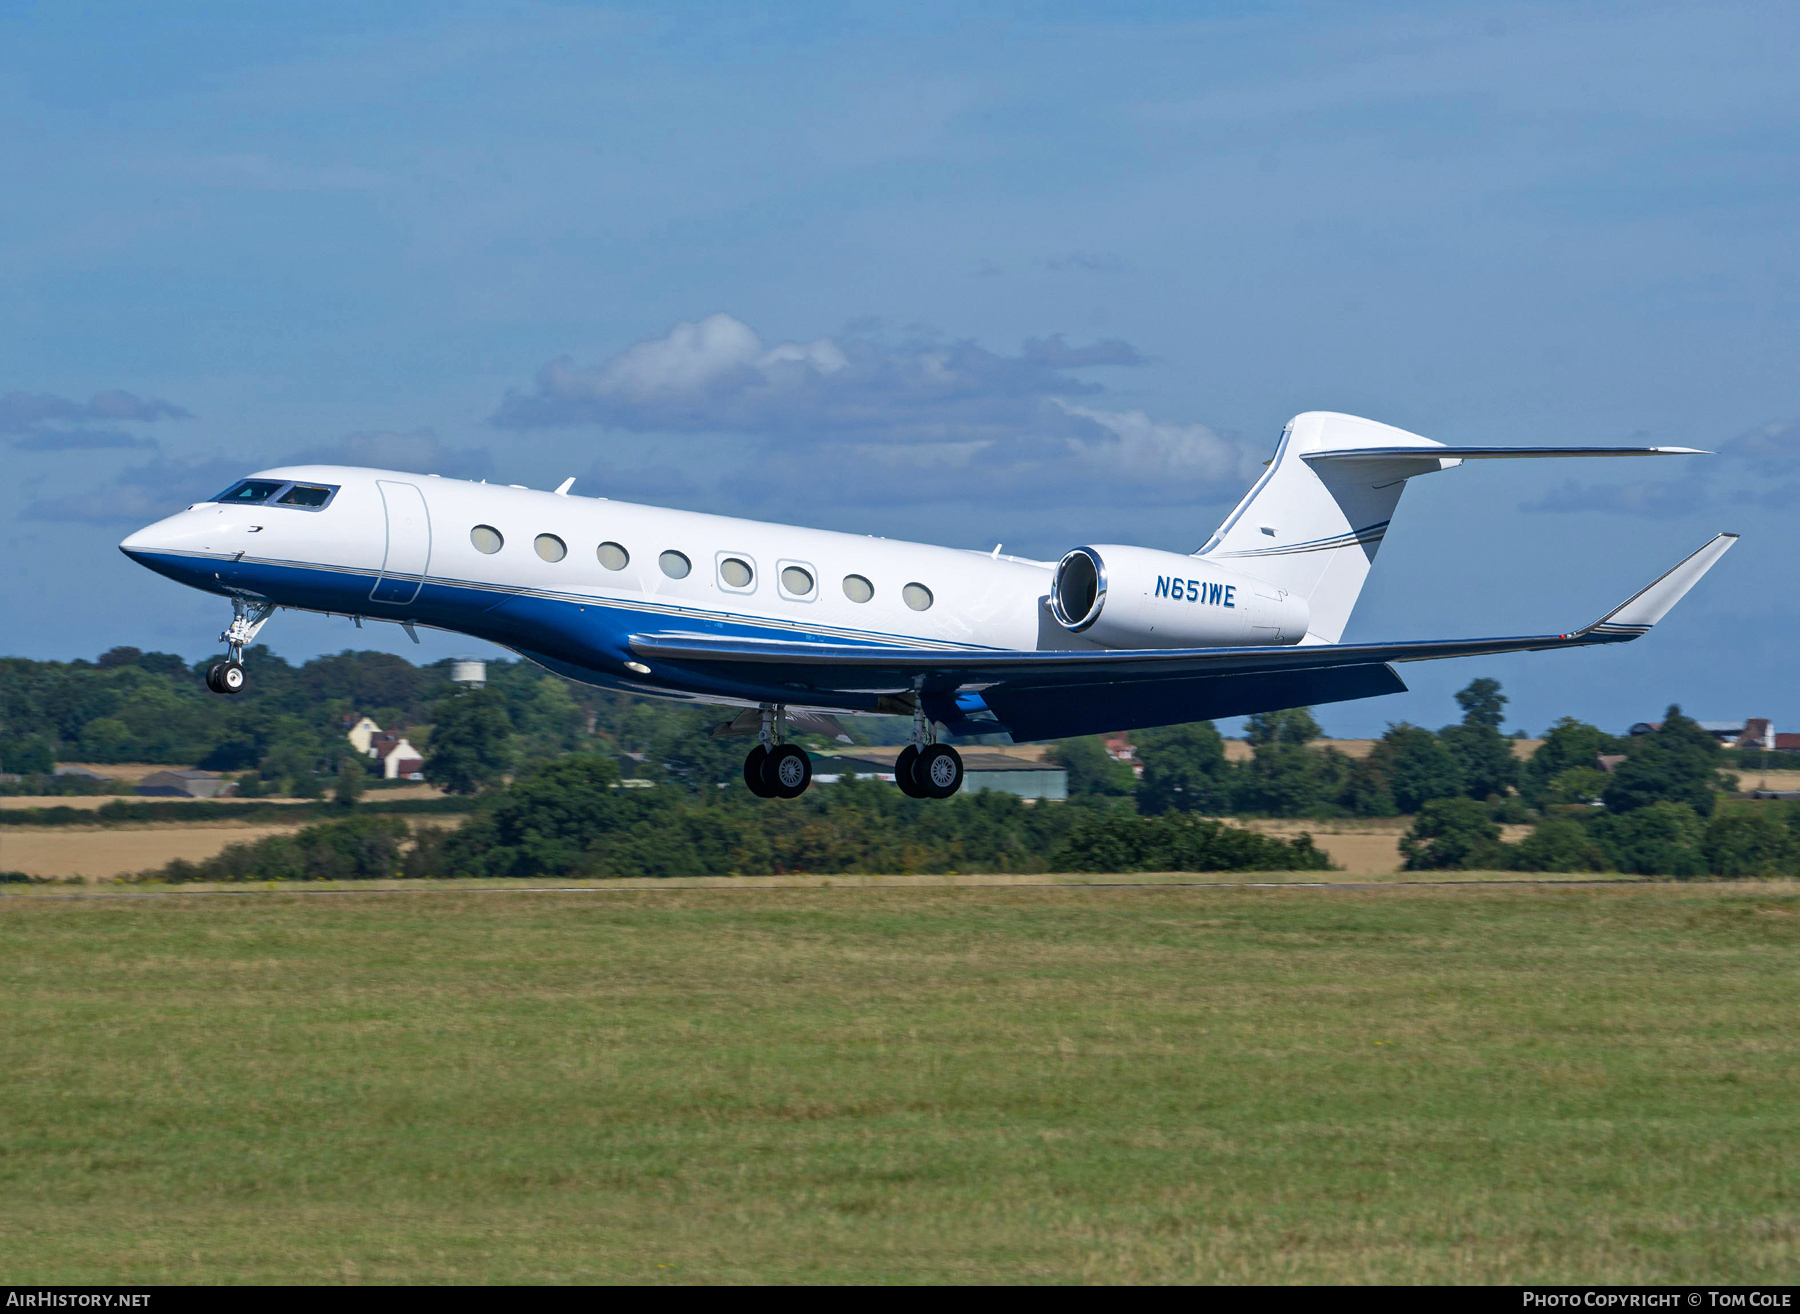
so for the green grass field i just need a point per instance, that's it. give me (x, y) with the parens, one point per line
(853, 1084)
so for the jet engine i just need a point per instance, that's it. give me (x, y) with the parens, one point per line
(1133, 597)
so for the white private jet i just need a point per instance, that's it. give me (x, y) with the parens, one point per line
(793, 625)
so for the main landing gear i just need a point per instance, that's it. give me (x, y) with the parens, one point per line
(926, 769)
(775, 769)
(227, 677)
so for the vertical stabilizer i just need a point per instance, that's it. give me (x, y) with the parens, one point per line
(1312, 528)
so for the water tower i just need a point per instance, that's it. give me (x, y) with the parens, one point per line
(471, 671)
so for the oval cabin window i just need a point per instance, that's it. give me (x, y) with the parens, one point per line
(486, 539)
(858, 589)
(612, 556)
(917, 596)
(736, 572)
(550, 547)
(796, 581)
(674, 565)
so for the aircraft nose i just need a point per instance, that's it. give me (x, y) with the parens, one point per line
(137, 544)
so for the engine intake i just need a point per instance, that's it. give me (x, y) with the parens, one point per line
(1132, 597)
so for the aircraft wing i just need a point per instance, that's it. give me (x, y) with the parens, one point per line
(1310, 673)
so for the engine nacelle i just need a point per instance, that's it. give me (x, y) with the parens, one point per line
(1133, 597)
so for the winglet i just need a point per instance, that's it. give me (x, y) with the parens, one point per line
(1643, 609)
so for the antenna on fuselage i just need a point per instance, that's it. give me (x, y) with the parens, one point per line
(562, 489)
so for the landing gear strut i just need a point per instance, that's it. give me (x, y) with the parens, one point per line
(775, 769)
(227, 677)
(926, 769)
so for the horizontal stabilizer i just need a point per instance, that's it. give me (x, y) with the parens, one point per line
(1440, 453)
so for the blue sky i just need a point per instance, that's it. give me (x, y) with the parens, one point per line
(1045, 276)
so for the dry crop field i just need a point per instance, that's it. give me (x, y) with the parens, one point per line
(867, 1083)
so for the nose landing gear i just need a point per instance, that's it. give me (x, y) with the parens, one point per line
(775, 769)
(227, 677)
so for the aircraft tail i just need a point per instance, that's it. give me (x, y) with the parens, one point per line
(1314, 521)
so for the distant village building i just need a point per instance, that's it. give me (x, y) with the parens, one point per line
(399, 759)
(80, 772)
(1121, 749)
(1751, 732)
(186, 784)
(361, 733)
(403, 762)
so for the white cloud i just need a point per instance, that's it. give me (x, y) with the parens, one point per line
(717, 376)
(1152, 449)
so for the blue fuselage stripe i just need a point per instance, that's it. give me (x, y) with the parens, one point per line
(584, 638)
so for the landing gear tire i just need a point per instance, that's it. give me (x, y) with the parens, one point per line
(225, 677)
(786, 772)
(938, 771)
(753, 767)
(903, 773)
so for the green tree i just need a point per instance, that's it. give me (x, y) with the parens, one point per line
(1752, 844)
(1284, 777)
(1420, 767)
(1091, 770)
(1482, 703)
(1184, 769)
(27, 755)
(545, 716)
(1454, 834)
(1558, 844)
(1662, 838)
(348, 787)
(1678, 763)
(1369, 787)
(544, 822)
(1290, 725)
(1574, 785)
(1568, 743)
(470, 743)
(1176, 843)
(1484, 759)
(1484, 756)
(357, 848)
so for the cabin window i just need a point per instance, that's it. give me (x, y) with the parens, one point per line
(736, 573)
(310, 496)
(550, 547)
(250, 491)
(674, 565)
(917, 596)
(797, 580)
(858, 589)
(613, 556)
(486, 539)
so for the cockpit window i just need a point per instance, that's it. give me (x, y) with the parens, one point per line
(250, 490)
(307, 495)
